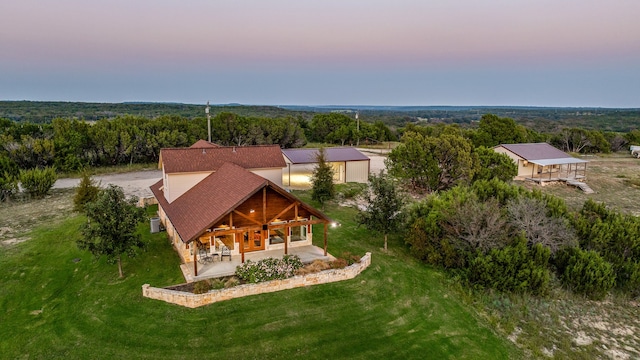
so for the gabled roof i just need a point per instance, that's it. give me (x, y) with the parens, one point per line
(308, 156)
(210, 159)
(214, 197)
(210, 199)
(541, 153)
(204, 144)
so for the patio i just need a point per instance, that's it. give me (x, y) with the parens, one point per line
(219, 268)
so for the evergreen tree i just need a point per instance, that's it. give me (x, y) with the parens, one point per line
(322, 179)
(86, 192)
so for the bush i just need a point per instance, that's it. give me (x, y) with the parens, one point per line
(231, 282)
(201, 287)
(351, 258)
(38, 182)
(269, 269)
(616, 237)
(8, 186)
(86, 192)
(314, 267)
(217, 284)
(514, 268)
(587, 273)
(339, 263)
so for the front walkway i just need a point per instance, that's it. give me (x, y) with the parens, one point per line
(219, 268)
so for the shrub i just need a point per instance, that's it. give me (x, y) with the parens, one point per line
(86, 192)
(8, 186)
(616, 237)
(8, 178)
(269, 269)
(587, 273)
(314, 267)
(339, 263)
(217, 284)
(38, 182)
(351, 258)
(514, 268)
(201, 287)
(231, 282)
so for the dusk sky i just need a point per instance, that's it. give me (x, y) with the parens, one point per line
(339, 52)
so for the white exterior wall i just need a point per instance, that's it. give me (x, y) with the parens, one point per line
(180, 183)
(523, 171)
(357, 171)
(273, 175)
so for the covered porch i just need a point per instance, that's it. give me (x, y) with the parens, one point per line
(219, 267)
(553, 170)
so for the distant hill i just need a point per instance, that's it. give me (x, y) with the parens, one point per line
(45, 111)
(537, 118)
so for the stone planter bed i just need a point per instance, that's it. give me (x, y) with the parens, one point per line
(188, 299)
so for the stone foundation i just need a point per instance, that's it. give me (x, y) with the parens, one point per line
(195, 300)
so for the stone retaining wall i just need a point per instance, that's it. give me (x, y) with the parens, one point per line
(195, 300)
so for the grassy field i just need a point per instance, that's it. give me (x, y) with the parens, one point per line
(58, 302)
(614, 177)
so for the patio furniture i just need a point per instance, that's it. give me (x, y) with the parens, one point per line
(203, 256)
(225, 252)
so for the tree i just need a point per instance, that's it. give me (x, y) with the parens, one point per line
(111, 226)
(494, 165)
(86, 192)
(530, 217)
(494, 130)
(383, 212)
(322, 188)
(433, 163)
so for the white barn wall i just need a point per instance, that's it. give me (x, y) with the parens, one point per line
(273, 175)
(357, 171)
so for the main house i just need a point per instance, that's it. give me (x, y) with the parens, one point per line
(229, 201)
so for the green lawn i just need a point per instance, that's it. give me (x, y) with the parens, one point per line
(54, 307)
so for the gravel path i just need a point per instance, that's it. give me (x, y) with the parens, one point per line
(134, 183)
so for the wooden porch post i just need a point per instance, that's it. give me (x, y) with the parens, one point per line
(195, 260)
(241, 243)
(286, 239)
(325, 239)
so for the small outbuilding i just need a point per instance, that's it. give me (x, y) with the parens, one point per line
(349, 165)
(541, 162)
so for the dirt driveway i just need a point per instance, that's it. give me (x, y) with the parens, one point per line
(134, 183)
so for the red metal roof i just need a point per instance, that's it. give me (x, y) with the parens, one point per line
(210, 199)
(214, 197)
(308, 156)
(535, 151)
(204, 144)
(210, 159)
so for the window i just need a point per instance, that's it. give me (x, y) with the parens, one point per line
(299, 233)
(277, 236)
